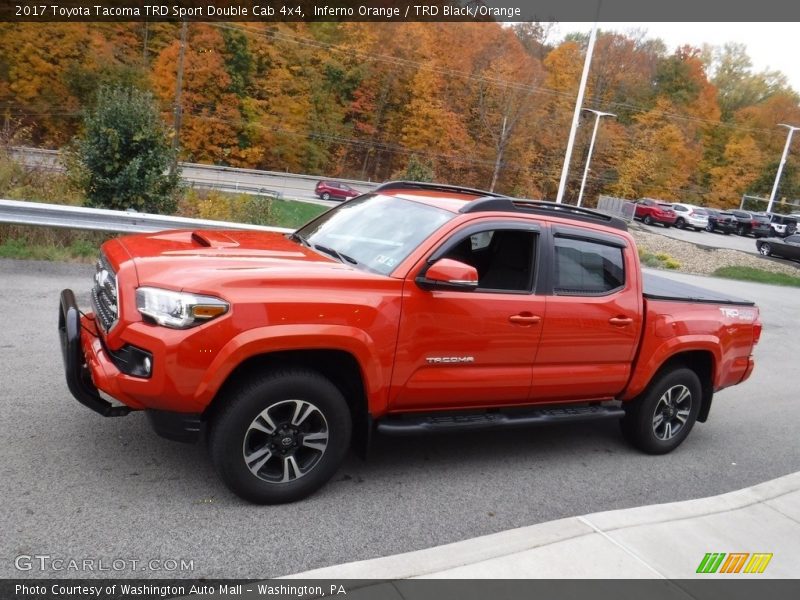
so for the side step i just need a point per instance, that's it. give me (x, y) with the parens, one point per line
(412, 425)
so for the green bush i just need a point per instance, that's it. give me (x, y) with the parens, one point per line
(123, 158)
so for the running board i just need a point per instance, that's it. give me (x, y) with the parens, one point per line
(412, 425)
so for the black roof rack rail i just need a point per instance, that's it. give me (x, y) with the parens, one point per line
(436, 187)
(542, 207)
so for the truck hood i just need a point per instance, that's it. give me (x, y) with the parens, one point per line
(199, 258)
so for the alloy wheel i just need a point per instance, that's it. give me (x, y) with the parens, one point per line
(285, 441)
(672, 412)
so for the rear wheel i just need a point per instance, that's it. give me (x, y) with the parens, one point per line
(661, 418)
(280, 436)
(765, 249)
(740, 230)
(680, 223)
(710, 228)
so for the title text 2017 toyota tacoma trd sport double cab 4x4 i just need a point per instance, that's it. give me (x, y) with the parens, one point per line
(415, 308)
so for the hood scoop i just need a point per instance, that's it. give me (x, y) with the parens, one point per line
(213, 239)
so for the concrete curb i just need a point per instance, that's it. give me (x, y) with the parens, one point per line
(657, 541)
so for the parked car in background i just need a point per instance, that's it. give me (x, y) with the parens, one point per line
(782, 225)
(719, 220)
(651, 211)
(333, 190)
(749, 223)
(788, 247)
(689, 215)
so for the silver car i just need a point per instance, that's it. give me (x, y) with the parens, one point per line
(690, 216)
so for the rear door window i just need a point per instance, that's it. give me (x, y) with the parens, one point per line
(587, 268)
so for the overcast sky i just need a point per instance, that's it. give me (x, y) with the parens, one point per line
(770, 45)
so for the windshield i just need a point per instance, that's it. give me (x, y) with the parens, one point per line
(373, 231)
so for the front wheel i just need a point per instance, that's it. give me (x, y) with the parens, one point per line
(326, 196)
(660, 419)
(281, 436)
(648, 220)
(765, 250)
(710, 228)
(680, 223)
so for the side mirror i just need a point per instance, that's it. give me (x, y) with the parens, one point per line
(449, 274)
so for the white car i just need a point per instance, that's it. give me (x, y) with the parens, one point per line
(690, 216)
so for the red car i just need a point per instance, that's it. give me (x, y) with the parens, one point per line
(333, 190)
(651, 211)
(415, 308)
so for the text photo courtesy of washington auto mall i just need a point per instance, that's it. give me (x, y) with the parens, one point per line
(387, 299)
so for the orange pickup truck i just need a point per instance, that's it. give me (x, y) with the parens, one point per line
(415, 308)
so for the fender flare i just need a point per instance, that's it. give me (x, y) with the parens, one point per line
(645, 372)
(277, 338)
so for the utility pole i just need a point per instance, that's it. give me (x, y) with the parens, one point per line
(500, 149)
(576, 114)
(598, 114)
(144, 48)
(176, 140)
(792, 129)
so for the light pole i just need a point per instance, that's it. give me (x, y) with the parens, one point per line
(598, 114)
(562, 185)
(792, 129)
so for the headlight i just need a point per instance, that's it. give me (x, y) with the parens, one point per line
(178, 310)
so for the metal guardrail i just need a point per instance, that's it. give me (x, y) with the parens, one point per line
(99, 219)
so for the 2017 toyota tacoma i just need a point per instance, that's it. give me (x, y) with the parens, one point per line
(415, 308)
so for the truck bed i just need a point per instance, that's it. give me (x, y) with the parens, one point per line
(661, 288)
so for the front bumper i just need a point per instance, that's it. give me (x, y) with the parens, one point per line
(183, 427)
(79, 380)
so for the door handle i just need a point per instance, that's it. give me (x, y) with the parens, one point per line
(620, 321)
(524, 319)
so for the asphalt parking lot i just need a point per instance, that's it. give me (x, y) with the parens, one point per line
(704, 238)
(77, 486)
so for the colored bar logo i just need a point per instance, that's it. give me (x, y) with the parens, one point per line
(734, 562)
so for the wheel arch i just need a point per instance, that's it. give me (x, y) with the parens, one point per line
(703, 363)
(339, 366)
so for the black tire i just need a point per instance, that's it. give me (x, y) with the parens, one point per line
(667, 225)
(326, 196)
(710, 228)
(765, 249)
(295, 469)
(740, 230)
(639, 425)
(680, 223)
(648, 220)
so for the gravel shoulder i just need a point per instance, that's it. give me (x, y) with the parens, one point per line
(704, 260)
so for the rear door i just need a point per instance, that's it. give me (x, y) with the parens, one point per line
(594, 317)
(472, 348)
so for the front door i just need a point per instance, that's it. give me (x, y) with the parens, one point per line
(472, 348)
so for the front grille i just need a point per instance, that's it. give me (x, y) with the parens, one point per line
(104, 294)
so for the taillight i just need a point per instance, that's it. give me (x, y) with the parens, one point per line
(757, 327)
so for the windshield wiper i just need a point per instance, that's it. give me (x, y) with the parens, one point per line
(336, 254)
(298, 238)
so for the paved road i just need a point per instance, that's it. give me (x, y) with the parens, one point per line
(250, 181)
(76, 485)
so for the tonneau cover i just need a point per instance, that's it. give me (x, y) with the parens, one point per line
(662, 288)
